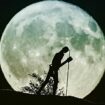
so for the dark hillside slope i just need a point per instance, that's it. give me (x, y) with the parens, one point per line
(18, 98)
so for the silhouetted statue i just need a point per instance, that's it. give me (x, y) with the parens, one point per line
(53, 69)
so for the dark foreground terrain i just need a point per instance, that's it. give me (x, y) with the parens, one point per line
(17, 98)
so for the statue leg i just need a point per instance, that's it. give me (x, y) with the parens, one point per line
(55, 83)
(45, 82)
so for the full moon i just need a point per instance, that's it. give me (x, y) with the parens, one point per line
(33, 36)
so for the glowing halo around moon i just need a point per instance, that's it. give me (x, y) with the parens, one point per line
(36, 33)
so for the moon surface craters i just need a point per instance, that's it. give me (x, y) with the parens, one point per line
(36, 33)
(92, 26)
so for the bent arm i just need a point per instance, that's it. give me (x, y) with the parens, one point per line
(67, 60)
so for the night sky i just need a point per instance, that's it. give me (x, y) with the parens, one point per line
(96, 8)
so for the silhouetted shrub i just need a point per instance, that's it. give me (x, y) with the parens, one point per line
(34, 87)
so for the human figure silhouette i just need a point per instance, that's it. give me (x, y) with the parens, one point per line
(53, 69)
